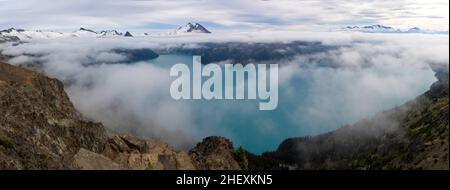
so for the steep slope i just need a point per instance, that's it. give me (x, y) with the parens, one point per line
(40, 129)
(411, 136)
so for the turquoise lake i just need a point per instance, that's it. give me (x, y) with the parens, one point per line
(313, 100)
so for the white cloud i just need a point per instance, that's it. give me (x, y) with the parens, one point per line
(249, 14)
(370, 72)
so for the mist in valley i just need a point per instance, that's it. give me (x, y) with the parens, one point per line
(350, 77)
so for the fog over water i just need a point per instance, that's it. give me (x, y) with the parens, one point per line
(318, 92)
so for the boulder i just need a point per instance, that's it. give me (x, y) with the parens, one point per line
(214, 153)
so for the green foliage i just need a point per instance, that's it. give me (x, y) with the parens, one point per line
(424, 122)
(240, 156)
(7, 143)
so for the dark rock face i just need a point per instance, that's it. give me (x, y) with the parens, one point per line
(198, 27)
(128, 34)
(110, 32)
(411, 136)
(11, 30)
(87, 30)
(39, 128)
(439, 88)
(214, 153)
(8, 38)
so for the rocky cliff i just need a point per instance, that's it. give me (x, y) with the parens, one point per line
(214, 153)
(40, 129)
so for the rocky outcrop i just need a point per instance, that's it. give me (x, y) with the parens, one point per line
(214, 153)
(131, 153)
(87, 160)
(137, 154)
(40, 129)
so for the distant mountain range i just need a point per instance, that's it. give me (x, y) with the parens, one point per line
(21, 34)
(14, 34)
(38, 34)
(388, 29)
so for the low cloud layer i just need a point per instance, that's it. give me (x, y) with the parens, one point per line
(318, 92)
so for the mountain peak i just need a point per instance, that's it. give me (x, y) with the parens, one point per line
(87, 30)
(128, 34)
(11, 30)
(376, 28)
(415, 30)
(192, 28)
(110, 33)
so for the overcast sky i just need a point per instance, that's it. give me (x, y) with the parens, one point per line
(222, 14)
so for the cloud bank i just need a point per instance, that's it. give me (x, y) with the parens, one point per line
(318, 92)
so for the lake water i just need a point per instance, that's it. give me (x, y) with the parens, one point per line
(312, 100)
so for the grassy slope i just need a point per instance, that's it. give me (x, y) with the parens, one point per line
(411, 136)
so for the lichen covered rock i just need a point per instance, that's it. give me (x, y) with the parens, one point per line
(214, 153)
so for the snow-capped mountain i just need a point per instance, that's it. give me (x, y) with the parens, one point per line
(191, 28)
(372, 29)
(110, 33)
(8, 38)
(387, 29)
(84, 32)
(38, 34)
(29, 34)
(415, 30)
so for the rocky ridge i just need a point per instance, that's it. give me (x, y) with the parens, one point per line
(40, 129)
